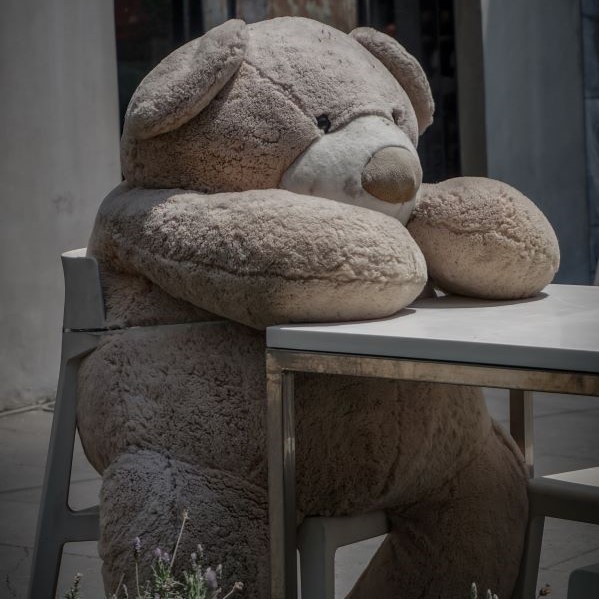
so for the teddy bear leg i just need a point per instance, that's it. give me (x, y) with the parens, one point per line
(471, 530)
(144, 494)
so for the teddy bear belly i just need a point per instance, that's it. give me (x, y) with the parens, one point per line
(197, 394)
(365, 444)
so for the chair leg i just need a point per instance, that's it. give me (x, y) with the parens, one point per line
(526, 587)
(46, 566)
(317, 560)
(56, 522)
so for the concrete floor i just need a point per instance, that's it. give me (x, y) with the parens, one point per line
(567, 438)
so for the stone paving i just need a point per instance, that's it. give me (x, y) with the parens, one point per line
(567, 438)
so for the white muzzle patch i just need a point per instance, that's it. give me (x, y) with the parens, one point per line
(332, 166)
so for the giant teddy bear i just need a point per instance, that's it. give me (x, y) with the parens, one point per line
(271, 176)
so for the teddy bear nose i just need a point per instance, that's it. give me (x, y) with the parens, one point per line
(393, 175)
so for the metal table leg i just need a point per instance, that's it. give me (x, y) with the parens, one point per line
(281, 480)
(521, 425)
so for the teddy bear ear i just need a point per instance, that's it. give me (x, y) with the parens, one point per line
(404, 67)
(185, 82)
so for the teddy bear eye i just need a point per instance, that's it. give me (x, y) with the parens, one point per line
(397, 116)
(323, 122)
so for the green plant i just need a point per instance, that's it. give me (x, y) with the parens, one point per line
(543, 592)
(74, 591)
(474, 593)
(194, 583)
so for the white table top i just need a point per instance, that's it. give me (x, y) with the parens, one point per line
(557, 330)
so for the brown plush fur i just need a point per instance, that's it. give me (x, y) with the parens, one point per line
(266, 114)
(483, 238)
(405, 68)
(262, 257)
(174, 416)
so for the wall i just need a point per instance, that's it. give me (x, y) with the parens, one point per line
(535, 115)
(590, 37)
(471, 87)
(59, 136)
(341, 14)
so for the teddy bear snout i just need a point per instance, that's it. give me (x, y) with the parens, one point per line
(393, 175)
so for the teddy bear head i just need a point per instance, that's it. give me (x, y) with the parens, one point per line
(286, 103)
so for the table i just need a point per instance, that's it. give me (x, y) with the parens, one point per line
(547, 343)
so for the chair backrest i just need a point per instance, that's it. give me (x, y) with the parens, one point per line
(83, 299)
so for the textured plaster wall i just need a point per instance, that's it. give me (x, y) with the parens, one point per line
(535, 115)
(59, 136)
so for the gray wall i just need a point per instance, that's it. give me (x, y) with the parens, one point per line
(59, 135)
(590, 38)
(535, 115)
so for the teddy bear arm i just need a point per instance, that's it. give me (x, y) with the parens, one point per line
(483, 238)
(262, 257)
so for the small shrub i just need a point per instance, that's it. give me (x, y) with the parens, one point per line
(474, 593)
(194, 583)
(543, 592)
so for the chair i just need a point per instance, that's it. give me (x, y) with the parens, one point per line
(569, 496)
(556, 496)
(83, 324)
(318, 537)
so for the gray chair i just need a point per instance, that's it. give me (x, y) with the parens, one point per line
(556, 496)
(569, 496)
(83, 324)
(318, 538)
(584, 583)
